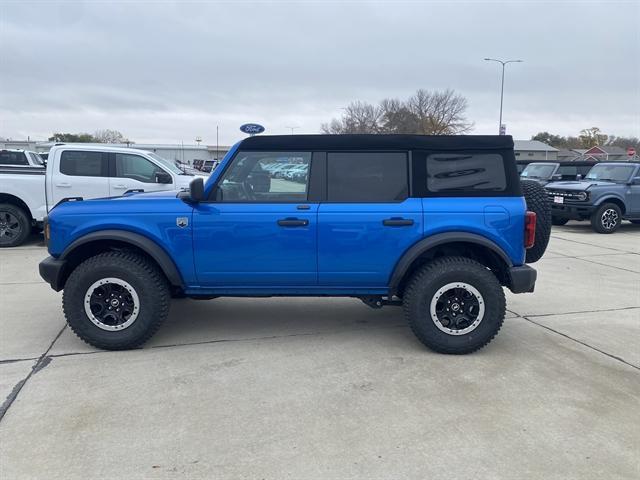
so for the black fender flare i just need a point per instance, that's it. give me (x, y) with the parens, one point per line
(145, 244)
(403, 265)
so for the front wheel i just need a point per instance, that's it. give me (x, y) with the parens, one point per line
(607, 218)
(454, 305)
(116, 300)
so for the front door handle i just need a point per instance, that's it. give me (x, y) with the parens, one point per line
(293, 222)
(120, 187)
(397, 222)
(63, 185)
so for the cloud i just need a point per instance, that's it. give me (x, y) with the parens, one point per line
(163, 71)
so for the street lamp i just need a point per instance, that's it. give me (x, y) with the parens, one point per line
(292, 128)
(503, 63)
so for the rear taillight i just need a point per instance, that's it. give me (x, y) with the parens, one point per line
(529, 229)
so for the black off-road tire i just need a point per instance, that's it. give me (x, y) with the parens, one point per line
(598, 222)
(559, 221)
(537, 201)
(146, 279)
(15, 225)
(427, 282)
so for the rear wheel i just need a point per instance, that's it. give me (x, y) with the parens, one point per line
(14, 225)
(559, 221)
(538, 202)
(454, 305)
(116, 300)
(607, 218)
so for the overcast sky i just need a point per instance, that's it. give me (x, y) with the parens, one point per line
(167, 72)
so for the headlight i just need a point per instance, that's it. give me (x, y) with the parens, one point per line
(582, 196)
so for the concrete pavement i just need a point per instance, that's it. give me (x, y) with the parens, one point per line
(328, 388)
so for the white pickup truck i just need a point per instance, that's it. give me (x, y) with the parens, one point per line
(29, 190)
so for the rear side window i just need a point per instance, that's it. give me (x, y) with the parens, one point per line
(466, 173)
(83, 164)
(13, 158)
(367, 177)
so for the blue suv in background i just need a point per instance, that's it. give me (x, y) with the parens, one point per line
(609, 193)
(436, 224)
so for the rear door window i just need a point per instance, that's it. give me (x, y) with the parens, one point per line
(367, 177)
(84, 163)
(13, 158)
(465, 173)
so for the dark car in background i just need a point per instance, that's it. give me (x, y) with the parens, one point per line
(545, 172)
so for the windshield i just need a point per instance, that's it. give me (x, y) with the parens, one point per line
(611, 173)
(165, 163)
(538, 170)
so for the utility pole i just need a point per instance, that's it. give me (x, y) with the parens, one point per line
(503, 63)
(292, 128)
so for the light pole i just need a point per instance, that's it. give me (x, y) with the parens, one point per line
(292, 128)
(503, 63)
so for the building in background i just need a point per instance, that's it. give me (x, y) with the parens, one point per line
(534, 151)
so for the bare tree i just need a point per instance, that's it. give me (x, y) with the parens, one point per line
(108, 136)
(439, 113)
(427, 113)
(397, 117)
(358, 117)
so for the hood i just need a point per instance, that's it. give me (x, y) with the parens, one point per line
(183, 181)
(580, 185)
(160, 194)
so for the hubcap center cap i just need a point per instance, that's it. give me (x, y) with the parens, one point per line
(115, 302)
(455, 307)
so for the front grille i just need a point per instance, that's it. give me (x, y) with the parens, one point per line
(572, 196)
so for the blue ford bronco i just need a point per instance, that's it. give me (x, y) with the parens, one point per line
(435, 224)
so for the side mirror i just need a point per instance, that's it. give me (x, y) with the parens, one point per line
(163, 177)
(579, 177)
(196, 190)
(556, 176)
(635, 181)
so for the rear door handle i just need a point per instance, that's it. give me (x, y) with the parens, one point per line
(63, 185)
(397, 222)
(293, 222)
(120, 187)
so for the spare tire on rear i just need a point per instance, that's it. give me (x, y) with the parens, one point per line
(538, 202)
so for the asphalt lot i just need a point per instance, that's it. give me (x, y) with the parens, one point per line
(328, 388)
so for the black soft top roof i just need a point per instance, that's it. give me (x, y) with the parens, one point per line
(384, 142)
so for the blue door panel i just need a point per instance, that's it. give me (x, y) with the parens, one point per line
(500, 219)
(356, 249)
(241, 244)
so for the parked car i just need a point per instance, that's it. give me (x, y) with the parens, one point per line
(436, 224)
(74, 172)
(20, 159)
(609, 193)
(545, 172)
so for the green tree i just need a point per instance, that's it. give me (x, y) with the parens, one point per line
(590, 137)
(72, 138)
